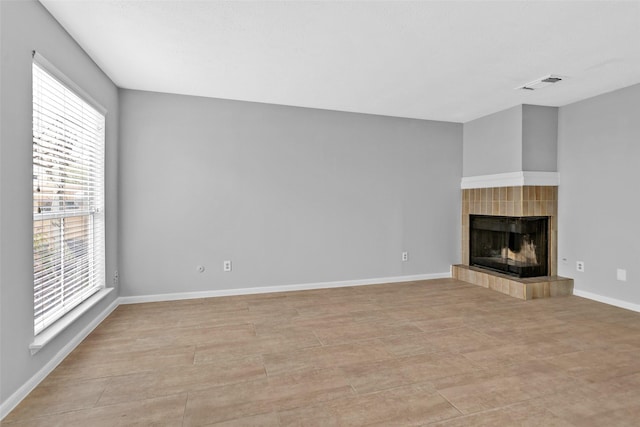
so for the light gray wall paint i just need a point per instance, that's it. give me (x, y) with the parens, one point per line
(290, 195)
(598, 162)
(27, 26)
(493, 143)
(539, 138)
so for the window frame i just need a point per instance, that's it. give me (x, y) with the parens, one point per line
(96, 219)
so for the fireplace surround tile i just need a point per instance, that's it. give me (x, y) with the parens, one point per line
(512, 201)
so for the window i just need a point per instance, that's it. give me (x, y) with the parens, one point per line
(68, 198)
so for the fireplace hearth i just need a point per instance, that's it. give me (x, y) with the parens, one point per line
(517, 246)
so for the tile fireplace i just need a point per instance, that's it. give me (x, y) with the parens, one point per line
(506, 253)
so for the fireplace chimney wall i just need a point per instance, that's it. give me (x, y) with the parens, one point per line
(519, 139)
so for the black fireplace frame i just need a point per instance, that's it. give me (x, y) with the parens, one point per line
(488, 234)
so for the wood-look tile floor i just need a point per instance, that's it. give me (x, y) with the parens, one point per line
(438, 352)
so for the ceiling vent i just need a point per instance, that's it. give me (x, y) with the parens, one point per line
(541, 82)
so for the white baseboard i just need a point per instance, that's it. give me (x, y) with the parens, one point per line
(283, 288)
(13, 400)
(607, 300)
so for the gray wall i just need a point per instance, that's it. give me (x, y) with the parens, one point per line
(27, 26)
(599, 165)
(290, 195)
(539, 138)
(493, 143)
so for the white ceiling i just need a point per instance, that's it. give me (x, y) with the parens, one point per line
(439, 60)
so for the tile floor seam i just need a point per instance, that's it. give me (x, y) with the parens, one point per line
(486, 411)
(317, 338)
(184, 410)
(460, 413)
(39, 417)
(95, 404)
(275, 408)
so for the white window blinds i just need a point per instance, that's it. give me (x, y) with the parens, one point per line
(68, 199)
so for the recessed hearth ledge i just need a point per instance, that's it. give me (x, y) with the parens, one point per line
(522, 288)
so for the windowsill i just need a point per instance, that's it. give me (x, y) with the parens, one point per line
(67, 320)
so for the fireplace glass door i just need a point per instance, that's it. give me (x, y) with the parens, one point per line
(513, 245)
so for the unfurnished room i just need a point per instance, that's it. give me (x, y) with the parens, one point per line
(319, 213)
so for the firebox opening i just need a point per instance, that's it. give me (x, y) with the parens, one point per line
(513, 245)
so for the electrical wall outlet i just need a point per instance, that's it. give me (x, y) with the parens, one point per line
(226, 265)
(580, 266)
(621, 275)
(405, 256)
(116, 278)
